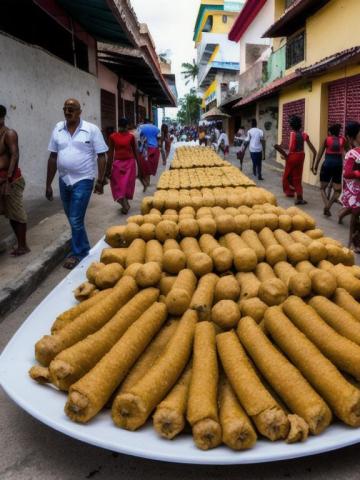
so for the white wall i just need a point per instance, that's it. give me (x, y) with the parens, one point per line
(263, 20)
(33, 87)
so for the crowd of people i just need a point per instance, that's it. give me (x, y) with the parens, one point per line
(80, 154)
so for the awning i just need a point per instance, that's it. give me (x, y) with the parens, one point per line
(294, 17)
(270, 89)
(213, 114)
(351, 55)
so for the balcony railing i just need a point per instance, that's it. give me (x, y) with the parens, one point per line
(252, 79)
(276, 65)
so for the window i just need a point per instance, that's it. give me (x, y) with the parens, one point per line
(295, 49)
(224, 18)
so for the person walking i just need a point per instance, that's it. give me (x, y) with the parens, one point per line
(223, 143)
(256, 142)
(74, 147)
(121, 167)
(12, 185)
(331, 169)
(150, 155)
(350, 197)
(165, 143)
(294, 160)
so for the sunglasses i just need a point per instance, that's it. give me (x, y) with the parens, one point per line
(71, 109)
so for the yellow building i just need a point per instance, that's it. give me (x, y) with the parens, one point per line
(322, 70)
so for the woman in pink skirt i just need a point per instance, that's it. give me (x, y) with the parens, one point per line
(122, 160)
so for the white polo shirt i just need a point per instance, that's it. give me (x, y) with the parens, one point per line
(77, 154)
(254, 136)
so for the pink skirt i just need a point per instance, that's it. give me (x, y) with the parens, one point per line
(123, 178)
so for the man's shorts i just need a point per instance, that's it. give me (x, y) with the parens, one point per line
(12, 205)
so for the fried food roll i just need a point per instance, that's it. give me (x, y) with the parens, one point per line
(245, 258)
(342, 397)
(344, 278)
(179, 298)
(84, 291)
(131, 409)
(87, 323)
(264, 272)
(226, 314)
(227, 288)
(283, 377)
(269, 418)
(273, 291)
(136, 252)
(197, 261)
(251, 238)
(202, 300)
(221, 256)
(249, 285)
(154, 252)
(338, 318)
(322, 282)
(317, 250)
(298, 283)
(299, 429)
(274, 252)
(171, 244)
(69, 315)
(40, 374)
(108, 276)
(166, 283)
(344, 353)
(295, 251)
(114, 255)
(93, 269)
(150, 355)
(254, 308)
(148, 275)
(202, 409)
(73, 362)
(169, 416)
(89, 394)
(237, 430)
(347, 302)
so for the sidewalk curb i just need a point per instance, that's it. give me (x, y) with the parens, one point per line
(18, 290)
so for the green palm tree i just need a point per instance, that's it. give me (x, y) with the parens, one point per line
(190, 71)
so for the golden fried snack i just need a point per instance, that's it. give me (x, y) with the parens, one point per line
(131, 233)
(114, 255)
(154, 252)
(197, 261)
(245, 258)
(340, 395)
(136, 252)
(298, 283)
(148, 275)
(254, 308)
(315, 234)
(108, 276)
(227, 288)
(174, 260)
(87, 323)
(221, 256)
(283, 377)
(188, 227)
(225, 224)
(347, 302)
(299, 429)
(40, 374)
(338, 318)
(202, 409)
(166, 283)
(114, 236)
(225, 314)
(237, 430)
(285, 222)
(249, 285)
(132, 270)
(341, 254)
(274, 252)
(344, 278)
(131, 409)
(270, 419)
(207, 225)
(317, 250)
(171, 244)
(344, 353)
(251, 238)
(166, 229)
(139, 219)
(242, 223)
(295, 251)
(179, 298)
(169, 416)
(73, 362)
(69, 315)
(89, 394)
(150, 355)
(257, 222)
(84, 291)
(273, 291)
(147, 231)
(93, 269)
(295, 211)
(264, 272)
(271, 220)
(203, 297)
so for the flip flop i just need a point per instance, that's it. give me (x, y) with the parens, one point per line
(71, 262)
(17, 252)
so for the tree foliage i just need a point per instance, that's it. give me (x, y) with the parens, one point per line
(189, 108)
(190, 71)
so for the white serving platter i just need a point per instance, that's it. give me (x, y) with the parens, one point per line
(47, 404)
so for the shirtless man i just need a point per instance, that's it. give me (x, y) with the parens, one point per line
(12, 185)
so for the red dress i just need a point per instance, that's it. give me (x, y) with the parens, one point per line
(292, 177)
(123, 173)
(350, 197)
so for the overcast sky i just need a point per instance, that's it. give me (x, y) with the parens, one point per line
(171, 23)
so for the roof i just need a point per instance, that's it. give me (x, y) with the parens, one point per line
(202, 9)
(333, 61)
(294, 17)
(269, 89)
(245, 18)
(214, 113)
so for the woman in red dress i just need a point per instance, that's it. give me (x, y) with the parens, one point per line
(121, 168)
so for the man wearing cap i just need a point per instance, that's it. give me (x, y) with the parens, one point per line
(75, 146)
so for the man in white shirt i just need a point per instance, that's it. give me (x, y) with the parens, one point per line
(256, 142)
(74, 147)
(223, 143)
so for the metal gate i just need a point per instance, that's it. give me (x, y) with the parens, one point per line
(344, 100)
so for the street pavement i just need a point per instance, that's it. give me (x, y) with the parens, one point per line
(31, 450)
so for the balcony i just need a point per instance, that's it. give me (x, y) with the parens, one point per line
(252, 79)
(276, 65)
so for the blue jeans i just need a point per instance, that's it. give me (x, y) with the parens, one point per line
(256, 158)
(75, 199)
